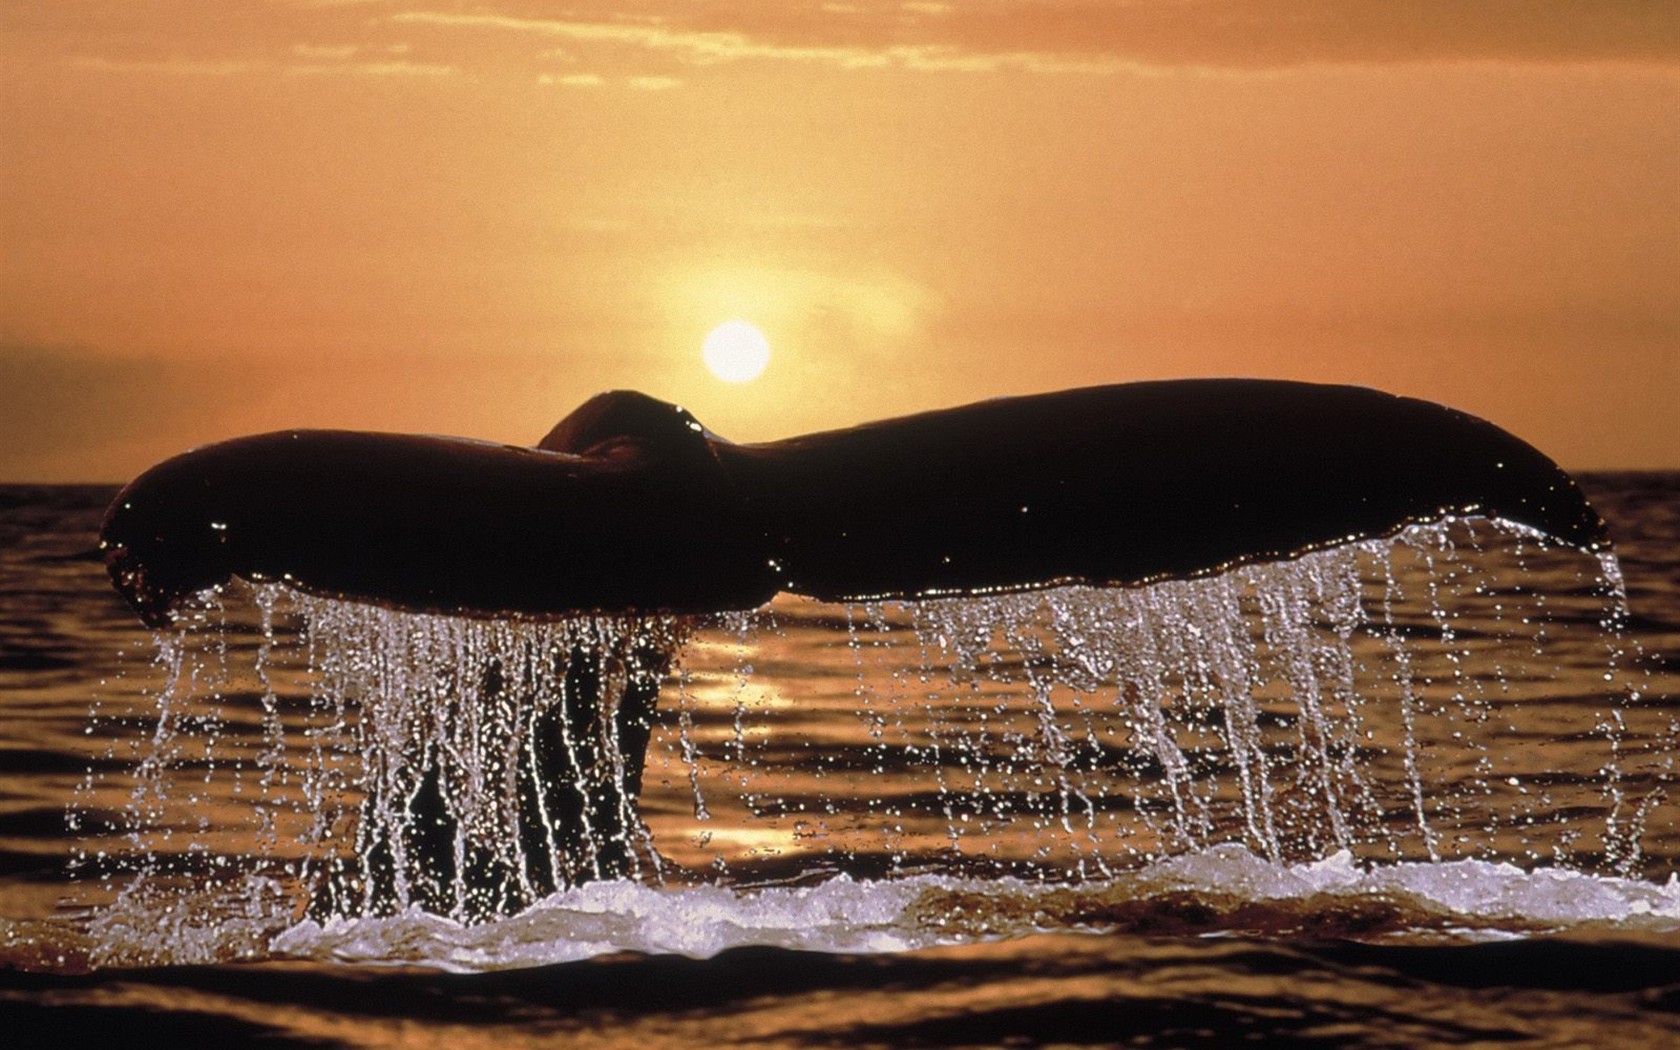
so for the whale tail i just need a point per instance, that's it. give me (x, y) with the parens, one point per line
(630, 505)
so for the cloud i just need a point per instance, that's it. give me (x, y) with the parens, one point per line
(1094, 34)
(576, 80)
(391, 68)
(713, 46)
(208, 39)
(595, 80)
(350, 36)
(702, 47)
(325, 52)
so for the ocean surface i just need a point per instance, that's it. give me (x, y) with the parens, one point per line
(1412, 792)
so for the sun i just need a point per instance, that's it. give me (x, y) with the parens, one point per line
(736, 352)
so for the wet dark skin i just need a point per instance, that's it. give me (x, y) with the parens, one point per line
(630, 505)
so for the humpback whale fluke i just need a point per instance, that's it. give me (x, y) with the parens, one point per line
(630, 505)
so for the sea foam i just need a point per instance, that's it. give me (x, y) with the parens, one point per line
(1226, 890)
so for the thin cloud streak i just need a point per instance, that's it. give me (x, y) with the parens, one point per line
(654, 83)
(702, 48)
(1087, 35)
(574, 80)
(374, 69)
(715, 47)
(978, 36)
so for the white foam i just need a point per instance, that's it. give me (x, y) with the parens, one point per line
(1480, 892)
(600, 918)
(1475, 898)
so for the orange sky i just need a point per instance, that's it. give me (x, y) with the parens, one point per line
(223, 216)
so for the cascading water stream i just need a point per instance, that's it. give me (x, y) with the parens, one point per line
(1297, 710)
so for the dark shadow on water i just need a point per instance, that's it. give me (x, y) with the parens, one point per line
(1164, 1022)
(1078, 991)
(28, 1026)
(624, 986)
(1557, 965)
(19, 864)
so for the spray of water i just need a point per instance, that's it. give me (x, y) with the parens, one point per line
(1327, 705)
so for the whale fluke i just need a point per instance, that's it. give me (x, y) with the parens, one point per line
(631, 505)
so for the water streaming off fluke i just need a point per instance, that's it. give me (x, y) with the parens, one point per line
(1338, 704)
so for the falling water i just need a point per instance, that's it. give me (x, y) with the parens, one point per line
(1298, 710)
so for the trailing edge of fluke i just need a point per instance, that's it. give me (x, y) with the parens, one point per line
(630, 506)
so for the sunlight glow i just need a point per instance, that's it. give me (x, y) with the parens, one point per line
(736, 352)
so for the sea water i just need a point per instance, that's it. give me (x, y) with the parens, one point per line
(1456, 734)
(1368, 701)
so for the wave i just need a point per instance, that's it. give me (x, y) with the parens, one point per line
(1224, 890)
